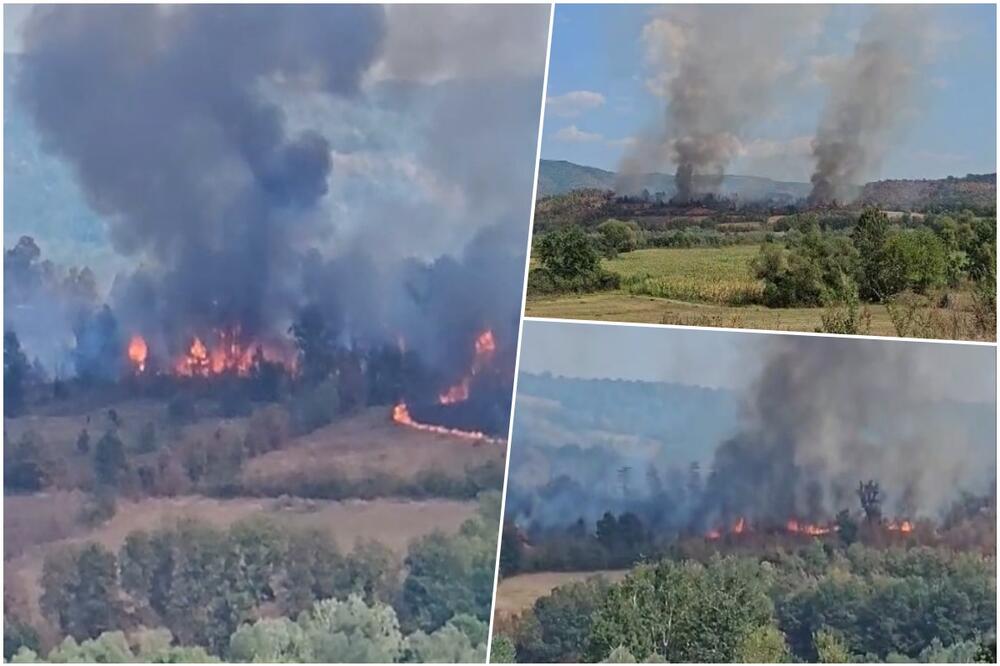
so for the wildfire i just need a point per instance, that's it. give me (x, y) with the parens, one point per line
(904, 526)
(485, 347)
(401, 415)
(795, 527)
(137, 351)
(228, 355)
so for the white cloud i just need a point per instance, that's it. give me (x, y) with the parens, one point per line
(574, 103)
(574, 134)
(624, 142)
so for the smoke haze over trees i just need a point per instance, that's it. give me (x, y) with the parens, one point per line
(819, 416)
(249, 161)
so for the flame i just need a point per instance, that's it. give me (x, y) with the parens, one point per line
(904, 526)
(809, 529)
(739, 525)
(485, 346)
(712, 535)
(229, 355)
(137, 351)
(401, 415)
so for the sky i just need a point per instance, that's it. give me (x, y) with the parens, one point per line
(732, 360)
(602, 83)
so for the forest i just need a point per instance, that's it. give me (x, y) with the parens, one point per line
(863, 592)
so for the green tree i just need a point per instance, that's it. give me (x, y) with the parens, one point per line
(619, 236)
(568, 253)
(683, 611)
(109, 460)
(870, 237)
(351, 631)
(563, 622)
(830, 648)
(502, 650)
(449, 644)
(765, 644)
(80, 591)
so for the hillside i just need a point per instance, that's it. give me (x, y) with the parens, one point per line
(560, 176)
(974, 191)
(977, 192)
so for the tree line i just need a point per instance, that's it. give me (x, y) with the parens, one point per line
(219, 590)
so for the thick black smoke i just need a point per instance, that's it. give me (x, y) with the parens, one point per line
(239, 156)
(160, 112)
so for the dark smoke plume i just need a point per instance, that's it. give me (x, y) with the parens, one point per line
(820, 420)
(160, 111)
(867, 101)
(254, 160)
(821, 416)
(724, 65)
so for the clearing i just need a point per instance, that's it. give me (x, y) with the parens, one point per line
(518, 593)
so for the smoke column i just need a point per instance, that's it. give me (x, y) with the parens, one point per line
(723, 66)
(252, 160)
(818, 421)
(867, 99)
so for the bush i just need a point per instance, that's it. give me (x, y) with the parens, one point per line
(814, 269)
(314, 407)
(570, 262)
(619, 236)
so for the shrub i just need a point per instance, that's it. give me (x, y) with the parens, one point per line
(314, 407)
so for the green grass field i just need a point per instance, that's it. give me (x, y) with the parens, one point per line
(703, 287)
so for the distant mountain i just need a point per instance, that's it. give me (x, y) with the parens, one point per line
(560, 176)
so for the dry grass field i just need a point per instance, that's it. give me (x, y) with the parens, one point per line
(365, 445)
(517, 593)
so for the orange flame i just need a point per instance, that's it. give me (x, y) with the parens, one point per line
(401, 415)
(137, 351)
(904, 526)
(485, 346)
(229, 355)
(809, 529)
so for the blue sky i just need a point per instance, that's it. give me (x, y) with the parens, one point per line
(733, 360)
(599, 95)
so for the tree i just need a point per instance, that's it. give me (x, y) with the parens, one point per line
(619, 236)
(147, 645)
(683, 611)
(847, 527)
(17, 635)
(563, 621)
(351, 631)
(870, 495)
(449, 644)
(830, 648)
(568, 255)
(870, 236)
(80, 590)
(109, 460)
(83, 442)
(502, 650)
(316, 344)
(15, 374)
(765, 644)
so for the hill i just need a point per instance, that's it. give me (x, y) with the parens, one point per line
(560, 176)
(977, 192)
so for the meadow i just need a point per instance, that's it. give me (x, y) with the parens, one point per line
(715, 286)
